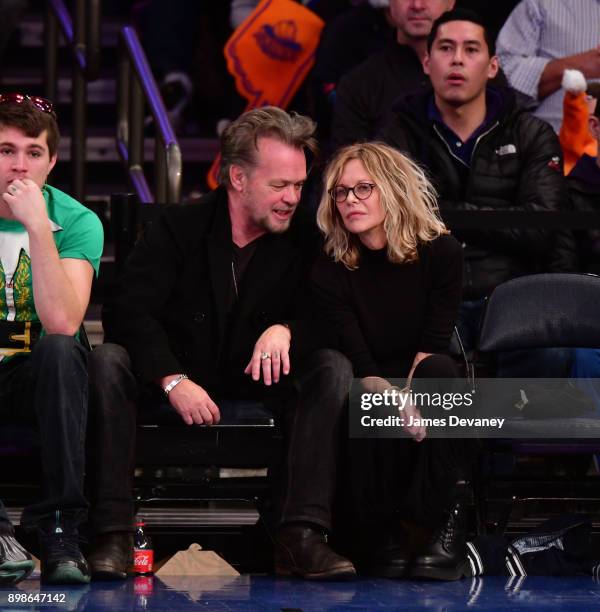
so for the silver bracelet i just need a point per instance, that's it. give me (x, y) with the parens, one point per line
(174, 383)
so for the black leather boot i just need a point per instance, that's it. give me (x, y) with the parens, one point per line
(302, 550)
(111, 555)
(445, 556)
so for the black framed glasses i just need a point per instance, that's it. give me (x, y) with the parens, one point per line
(18, 98)
(361, 191)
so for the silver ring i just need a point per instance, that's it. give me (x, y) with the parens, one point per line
(264, 356)
(12, 189)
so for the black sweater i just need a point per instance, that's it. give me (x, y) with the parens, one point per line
(382, 314)
(365, 95)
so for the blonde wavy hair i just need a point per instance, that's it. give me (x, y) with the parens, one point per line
(405, 193)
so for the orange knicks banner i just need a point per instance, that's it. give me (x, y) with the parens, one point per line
(575, 138)
(270, 54)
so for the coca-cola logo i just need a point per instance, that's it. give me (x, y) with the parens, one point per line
(142, 560)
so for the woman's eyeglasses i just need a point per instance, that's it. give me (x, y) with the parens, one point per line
(18, 98)
(361, 191)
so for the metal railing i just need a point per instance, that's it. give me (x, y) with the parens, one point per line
(137, 89)
(82, 37)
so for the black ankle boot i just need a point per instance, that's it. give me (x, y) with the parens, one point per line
(445, 556)
(302, 550)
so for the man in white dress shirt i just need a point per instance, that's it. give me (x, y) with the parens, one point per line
(542, 38)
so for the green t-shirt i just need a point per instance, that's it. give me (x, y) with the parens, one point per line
(77, 233)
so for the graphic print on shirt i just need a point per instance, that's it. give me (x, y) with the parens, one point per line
(16, 288)
(16, 291)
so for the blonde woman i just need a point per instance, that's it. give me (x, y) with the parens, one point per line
(389, 288)
(391, 281)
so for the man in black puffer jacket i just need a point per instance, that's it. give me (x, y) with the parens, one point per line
(483, 153)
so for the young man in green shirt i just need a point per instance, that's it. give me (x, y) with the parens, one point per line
(50, 248)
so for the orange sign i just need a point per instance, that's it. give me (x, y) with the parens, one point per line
(575, 138)
(270, 54)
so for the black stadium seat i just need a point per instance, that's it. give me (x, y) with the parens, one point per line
(537, 312)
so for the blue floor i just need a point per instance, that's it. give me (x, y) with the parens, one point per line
(253, 593)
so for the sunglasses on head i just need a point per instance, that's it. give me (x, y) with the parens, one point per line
(18, 98)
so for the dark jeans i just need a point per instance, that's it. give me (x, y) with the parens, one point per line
(111, 439)
(319, 388)
(49, 389)
(315, 424)
(115, 397)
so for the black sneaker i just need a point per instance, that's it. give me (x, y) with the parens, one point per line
(15, 562)
(61, 559)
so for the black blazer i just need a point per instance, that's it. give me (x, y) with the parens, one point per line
(170, 310)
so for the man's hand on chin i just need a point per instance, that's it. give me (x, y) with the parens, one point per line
(25, 202)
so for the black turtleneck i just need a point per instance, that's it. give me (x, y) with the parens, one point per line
(383, 313)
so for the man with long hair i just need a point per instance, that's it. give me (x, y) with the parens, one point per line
(213, 309)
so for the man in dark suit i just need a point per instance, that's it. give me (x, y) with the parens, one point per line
(212, 306)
